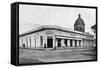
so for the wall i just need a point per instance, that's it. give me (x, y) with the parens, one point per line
(62, 33)
(5, 34)
(35, 39)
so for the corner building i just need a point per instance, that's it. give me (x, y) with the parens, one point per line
(52, 36)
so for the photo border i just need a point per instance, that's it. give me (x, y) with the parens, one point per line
(15, 32)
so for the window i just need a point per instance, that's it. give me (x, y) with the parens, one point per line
(80, 29)
(41, 40)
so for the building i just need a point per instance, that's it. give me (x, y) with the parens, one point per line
(79, 24)
(52, 36)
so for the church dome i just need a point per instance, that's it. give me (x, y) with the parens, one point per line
(79, 21)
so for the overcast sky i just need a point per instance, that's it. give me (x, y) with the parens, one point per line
(33, 16)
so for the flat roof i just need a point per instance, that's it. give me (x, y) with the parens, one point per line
(54, 27)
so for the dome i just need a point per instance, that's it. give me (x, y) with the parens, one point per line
(79, 21)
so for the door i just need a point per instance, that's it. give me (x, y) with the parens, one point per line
(80, 43)
(66, 42)
(59, 42)
(75, 43)
(71, 43)
(49, 42)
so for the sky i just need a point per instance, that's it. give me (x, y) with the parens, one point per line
(33, 16)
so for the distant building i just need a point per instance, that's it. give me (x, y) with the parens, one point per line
(52, 36)
(79, 24)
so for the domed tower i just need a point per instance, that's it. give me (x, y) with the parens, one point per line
(79, 24)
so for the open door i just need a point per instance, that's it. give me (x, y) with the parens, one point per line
(49, 42)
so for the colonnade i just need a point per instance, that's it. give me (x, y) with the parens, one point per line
(56, 42)
(69, 43)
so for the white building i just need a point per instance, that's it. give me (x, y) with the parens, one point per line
(52, 36)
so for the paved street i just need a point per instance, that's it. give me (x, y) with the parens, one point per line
(38, 56)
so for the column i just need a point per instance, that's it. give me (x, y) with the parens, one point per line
(88, 43)
(84, 43)
(33, 42)
(91, 43)
(77, 43)
(54, 41)
(37, 41)
(73, 43)
(45, 41)
(81, 43)
(39, 45)
(24, 42)
(29, 42)
(94, 42)
(62, 43)
(68, 43)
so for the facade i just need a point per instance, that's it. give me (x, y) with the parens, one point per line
(52, 36)
(55, 36)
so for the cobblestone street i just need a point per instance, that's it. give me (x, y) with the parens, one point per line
(38, 56)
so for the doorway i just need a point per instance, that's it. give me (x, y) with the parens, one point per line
(75, 43)
(66, 42)
(49, 42)
(71, 43)
(59, 42)
(80, 43)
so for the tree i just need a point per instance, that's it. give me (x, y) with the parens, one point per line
(93, 28)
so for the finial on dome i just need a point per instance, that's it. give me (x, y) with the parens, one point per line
(79, 15)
